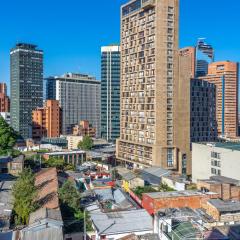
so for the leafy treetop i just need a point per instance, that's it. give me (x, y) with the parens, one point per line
(86, 144)
(8, 136)
(25, 195)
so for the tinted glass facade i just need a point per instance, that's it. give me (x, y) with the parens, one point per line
(110, 93)
(26, 86)
(49, 89)
(202, 68)
(203, 111)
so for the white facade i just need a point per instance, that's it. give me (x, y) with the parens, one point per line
(6, 116)
(215, 159)
(73, 141)
(115, 48)
(79, 97)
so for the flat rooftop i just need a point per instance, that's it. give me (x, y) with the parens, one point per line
(6, 198)
(221, 179)
(156, 171)
(183, 214)
(64, 153)
(225, 206)
(157, 195)
(234, 146)
(6, 202)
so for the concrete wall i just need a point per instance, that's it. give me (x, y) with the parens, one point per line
(201, 162)
(179, 186)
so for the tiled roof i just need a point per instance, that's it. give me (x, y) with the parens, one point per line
(46, 182)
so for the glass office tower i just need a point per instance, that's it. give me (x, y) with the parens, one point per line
(26, 86)
(49, 88)
(110, 92)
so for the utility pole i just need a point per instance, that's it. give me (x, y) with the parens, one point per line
(85, 233)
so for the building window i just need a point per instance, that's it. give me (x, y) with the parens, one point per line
(213, 171)
(170, 157)
(215, 163)
(184, 164)
(215, 155)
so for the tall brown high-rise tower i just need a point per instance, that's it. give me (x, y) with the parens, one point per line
(149, 79)
(225, 76)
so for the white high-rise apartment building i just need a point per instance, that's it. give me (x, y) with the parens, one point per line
(79, 97)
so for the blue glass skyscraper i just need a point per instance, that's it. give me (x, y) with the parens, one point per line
(110, 92)
(49, 88)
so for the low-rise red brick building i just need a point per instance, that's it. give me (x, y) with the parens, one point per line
(46, 121)
(227, 188)
(223, 211)
(155, 201)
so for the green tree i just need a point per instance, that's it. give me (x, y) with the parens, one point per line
(24, 194)
(58, 163)
(86, 144)
(71, 208)
(140, 190)
(165, 188)
(55, 162)
(8, 137)
(69, 195)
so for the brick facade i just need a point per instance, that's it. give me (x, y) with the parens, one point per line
(226, 191)
(190, 199)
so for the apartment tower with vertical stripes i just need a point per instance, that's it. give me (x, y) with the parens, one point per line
(149, 80)
(110, 92)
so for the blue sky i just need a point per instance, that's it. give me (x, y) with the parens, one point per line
(71, 32)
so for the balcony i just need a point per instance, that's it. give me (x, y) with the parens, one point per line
(146, 4)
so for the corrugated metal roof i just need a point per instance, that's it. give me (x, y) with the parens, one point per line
(6, 235)
(6, 204)
(43, 234)
(122, 222)
(153, 175)
(157, 171)
(225, 206)
(104, 194)
(121, 200)
(43, 213)
(129, 176)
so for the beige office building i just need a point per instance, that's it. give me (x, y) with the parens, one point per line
(73, 141)
(149, 81)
